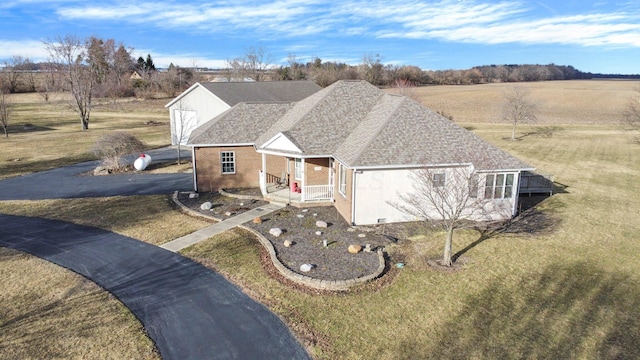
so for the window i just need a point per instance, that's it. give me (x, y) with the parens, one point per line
(228, 161)
(342, 176)
(439, 179)
(298, 169)
(499, 186)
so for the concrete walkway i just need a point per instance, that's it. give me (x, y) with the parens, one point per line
(217, 228)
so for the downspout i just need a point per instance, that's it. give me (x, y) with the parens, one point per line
(516, 199)
(353, 198)
(193, 165)
(303, 193)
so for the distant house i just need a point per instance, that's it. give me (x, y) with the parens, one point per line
(203, 101)
(135, 75)
(351, 146)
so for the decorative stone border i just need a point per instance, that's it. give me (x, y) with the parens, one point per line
(190, 211)
(333, 285)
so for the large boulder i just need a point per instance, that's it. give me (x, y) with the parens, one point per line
(354, 249)
(275, 232)
(206, 206)
(306, 267)
(321, 224)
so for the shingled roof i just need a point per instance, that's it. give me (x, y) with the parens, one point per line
(242, 124)
(361, 126)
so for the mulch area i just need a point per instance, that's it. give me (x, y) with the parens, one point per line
(331, 262)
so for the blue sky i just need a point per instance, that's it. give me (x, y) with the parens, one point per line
(594, 36)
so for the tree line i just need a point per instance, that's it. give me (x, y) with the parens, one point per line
(372, 70)
(103, 68)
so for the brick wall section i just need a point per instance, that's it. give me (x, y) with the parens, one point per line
(343, 203)
(209, 168)
(314, 176)
(276, 165)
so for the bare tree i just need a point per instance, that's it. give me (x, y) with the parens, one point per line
(406, 88)
(235, 69)
(12, 71)
(112, 147)
(5, 109)
(69, 54)
(518, 107)
(371, 69)
(256, 62)
(48, 81)
(632, 110)
(448, 196)
(295, 70)
(183, 123)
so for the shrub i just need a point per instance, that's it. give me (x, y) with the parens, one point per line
(112, 147)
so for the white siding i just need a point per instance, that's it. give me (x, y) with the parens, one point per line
(184, 121)
(199, 100)
(281, 142)
(376, 189)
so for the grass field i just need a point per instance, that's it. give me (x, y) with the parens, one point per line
(56, 138)
(559, 102)
(568, 287)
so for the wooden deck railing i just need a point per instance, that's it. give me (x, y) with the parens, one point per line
(532, 183)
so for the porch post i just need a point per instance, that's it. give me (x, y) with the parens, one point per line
(263, 175)
(195, 173)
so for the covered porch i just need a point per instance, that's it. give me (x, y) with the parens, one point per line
(297, 181)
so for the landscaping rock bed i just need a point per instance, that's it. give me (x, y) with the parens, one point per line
(331, 262)
(305, 239)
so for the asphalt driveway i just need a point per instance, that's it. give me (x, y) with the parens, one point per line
(188, 310)
(66, 182)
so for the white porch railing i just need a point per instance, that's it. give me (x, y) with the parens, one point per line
(317, 192)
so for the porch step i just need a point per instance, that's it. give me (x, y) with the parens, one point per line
(278, 203)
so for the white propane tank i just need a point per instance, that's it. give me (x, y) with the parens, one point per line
(142, 162)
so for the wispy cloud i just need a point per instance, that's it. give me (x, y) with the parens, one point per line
(592, 30)
(469, 21)
(32, 49)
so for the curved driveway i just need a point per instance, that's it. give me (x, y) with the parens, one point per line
(189, 311)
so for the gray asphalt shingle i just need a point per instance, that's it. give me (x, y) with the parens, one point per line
(234, 93)
(241, 124)
(361, 126)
